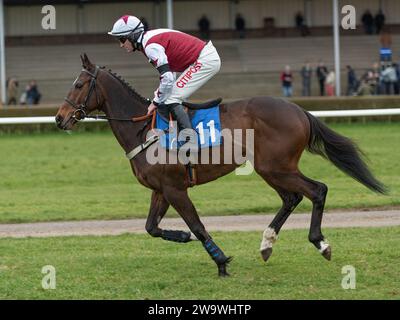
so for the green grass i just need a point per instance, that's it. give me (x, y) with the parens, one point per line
(141, 267)
(56, 176)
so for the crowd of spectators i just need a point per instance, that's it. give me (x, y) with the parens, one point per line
(373, 24)
(204, 26)
(326, 80)
(383, 78)
(30, 96)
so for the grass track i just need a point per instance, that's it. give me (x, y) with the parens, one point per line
(141, 267)
(55, 176)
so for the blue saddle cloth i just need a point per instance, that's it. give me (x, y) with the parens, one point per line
(205, 122)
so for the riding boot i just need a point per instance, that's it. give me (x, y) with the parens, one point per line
(181, 116)
(184, 123)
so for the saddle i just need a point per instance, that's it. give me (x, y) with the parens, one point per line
(191, 109)
(204, 105)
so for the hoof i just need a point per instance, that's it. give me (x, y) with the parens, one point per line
(223, 273)
(327, 253)
(186, 237)
(266, 253)
(222, 268)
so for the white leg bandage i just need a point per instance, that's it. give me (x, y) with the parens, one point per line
(269, 237)
(323, 245)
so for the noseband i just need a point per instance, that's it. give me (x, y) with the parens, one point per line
(80, 112)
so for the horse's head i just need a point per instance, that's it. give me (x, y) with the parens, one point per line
(82, 99)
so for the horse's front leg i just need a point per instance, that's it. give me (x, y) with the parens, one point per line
(179, 199)
(158, 208)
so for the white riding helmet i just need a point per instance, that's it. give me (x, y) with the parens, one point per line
(126, 25)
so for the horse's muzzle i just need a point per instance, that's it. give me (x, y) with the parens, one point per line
(59, 120)
(63, 123)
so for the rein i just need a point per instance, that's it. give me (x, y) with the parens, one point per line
(134, 119)
(81, 113)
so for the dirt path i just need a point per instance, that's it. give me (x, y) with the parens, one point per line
(226, 223)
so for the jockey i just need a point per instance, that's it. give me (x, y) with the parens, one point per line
(170, 51)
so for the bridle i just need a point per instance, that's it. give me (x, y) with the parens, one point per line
(80, 112)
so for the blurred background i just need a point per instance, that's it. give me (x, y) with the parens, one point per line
(275, 48)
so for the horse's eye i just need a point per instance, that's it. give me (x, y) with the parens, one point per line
(78, 85)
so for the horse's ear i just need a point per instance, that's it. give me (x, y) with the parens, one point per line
(86, 62)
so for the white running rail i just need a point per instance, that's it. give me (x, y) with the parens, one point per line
(322, 114)
(356, 113)
(32, 120)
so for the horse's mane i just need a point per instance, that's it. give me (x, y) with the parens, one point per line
(130, 89)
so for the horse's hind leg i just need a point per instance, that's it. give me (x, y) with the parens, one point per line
(158, 209)
(183, 205)
(289, 202)
(294, 185)
(317, 194)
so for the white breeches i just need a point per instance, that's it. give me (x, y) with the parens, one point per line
(196, 75)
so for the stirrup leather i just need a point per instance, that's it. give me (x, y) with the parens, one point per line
(192, 174)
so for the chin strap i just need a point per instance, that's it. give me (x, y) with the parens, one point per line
(136, 39)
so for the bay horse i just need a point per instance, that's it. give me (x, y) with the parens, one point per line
(282, 131)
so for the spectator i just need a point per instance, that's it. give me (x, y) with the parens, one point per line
(22, 99)
(322, 72)
(389, 78)
(33, 95)
(386, 44)
(397, 84)
(287, 80)
(145, 24)
(373, 81)
(300, 25)
(386, 38)
(330, 83)
(306, 73)
(240, 25)
(12, 91)
(381, 80)
(204, 27)
(379, 21)
(376, 78)
(367, 20)
(352, 83)
(367, 84)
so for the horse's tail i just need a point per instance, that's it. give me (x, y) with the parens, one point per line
(342, 152)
